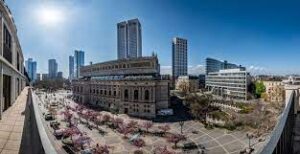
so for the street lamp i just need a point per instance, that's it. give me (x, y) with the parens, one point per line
(181, 123)
(250, 136)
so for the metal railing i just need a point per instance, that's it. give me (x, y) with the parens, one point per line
(280, 141)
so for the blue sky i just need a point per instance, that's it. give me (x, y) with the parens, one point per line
(262, 35)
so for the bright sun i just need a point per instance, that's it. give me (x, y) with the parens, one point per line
(50, 16)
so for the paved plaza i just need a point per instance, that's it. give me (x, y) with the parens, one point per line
(210, 141)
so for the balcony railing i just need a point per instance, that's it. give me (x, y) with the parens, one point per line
(280, 141)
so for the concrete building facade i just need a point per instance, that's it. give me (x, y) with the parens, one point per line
(274, 91)
(12, 78)
(129, 39)
(131, 86)
(229, 83)
(179, 57)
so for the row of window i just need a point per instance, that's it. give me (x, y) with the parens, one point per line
(136, 94)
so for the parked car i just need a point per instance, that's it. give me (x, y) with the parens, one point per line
(165, 112)
(49, 117)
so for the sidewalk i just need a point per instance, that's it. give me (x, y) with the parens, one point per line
(11, 125)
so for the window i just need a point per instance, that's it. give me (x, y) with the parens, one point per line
(126, 94)
(136, 94)
(115, 93)
(109, 93)
(7, 45)
(146, 94)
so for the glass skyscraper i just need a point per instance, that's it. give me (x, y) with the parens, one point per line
(179, 57)
(52, 69)
(129, 39)
(79, 61)
(71, 67)
(31, 67)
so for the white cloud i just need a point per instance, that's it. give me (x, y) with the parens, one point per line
(192, 70)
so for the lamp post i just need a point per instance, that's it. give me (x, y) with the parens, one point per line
(181, 123)
(250, 136)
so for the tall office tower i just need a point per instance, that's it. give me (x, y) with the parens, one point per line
(179, 57)
(30, 66)
(214, 65)
(79, 61)
(52, 69)
(129, 39)
(71, 67)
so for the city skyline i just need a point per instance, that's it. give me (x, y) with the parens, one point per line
(229, 33)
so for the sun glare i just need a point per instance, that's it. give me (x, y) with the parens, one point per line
(50, 16)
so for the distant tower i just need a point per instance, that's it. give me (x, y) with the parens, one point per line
(31, 67)
(79, 61)
(71, 67)
(179, 57)
(52, 68)
(129, 39)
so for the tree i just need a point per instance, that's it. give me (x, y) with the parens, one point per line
(199, 105)
(147, 125)
(183, 86)
(102, 149)
(164, 128)
(106, 118)
(123, 129)
(139, 143)
(175, 138)
(163, 150)
(259, 88)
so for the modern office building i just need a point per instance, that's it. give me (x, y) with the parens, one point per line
(12, 72)
(131, 86)
(79, 61)
(59, 75)
(31, 67)
(71, 67)
(229, 83)
(52, 69)
(179, 57)
(44, 76)
(38, 77)
(214, 65)
(129, 39)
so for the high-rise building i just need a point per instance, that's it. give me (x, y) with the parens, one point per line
(79, 61)
(129, 39)
(38, 77)
(30, 66)
(179, 57)
(44, 76)
(214, 65)
(60, 75)
(71, 67)
(52, 69)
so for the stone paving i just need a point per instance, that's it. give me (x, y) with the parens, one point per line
(11, 125)
(215, 141)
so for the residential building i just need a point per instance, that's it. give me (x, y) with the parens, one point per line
(52, 69)
(229, 83)
(12, 72)
(71, 67)
(130, 86)
(31, 67)
(179, 57)
(189, 82)
(129, 39)
(274, 91)
(79, 61)
(214, 65)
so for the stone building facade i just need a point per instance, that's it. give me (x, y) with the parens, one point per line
(274, 91)
(130, 86)
(12, 78)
